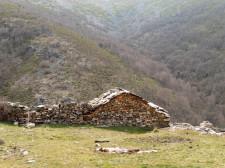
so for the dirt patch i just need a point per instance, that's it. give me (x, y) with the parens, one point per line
(13, 151)
(2, 142)
(159, 139)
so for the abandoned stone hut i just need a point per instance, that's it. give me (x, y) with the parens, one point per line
(116, 107)
(121, 107)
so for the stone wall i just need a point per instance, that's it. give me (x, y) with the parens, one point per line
(64, 113)
(123, 110)
(129, 110)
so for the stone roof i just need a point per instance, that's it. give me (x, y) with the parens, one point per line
(18, 105)
(110, 94)
(159, 109)
(106, 97)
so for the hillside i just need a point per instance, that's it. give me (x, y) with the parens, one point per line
(170, 52)
(46, 60)
(63, 53)
(66, 146)
(186, 38)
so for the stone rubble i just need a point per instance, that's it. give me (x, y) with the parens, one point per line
(24, 152)
(118, 150)
(204, 128)
(11, 151)
(30, 125)
(31, 160)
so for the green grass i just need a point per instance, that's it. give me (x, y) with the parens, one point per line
(29, 65)
(59, 146)
(21, 93)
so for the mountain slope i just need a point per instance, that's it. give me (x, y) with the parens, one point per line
(190, 41)
(187, 36)
(148, 47)
(54, 61)
(41, 59)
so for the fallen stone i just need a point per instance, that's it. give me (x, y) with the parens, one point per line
(205, 128)
(16, 123)
(29, 125)
(102, 141)
(147, 151)
(31, 161)
(118, 150)
(206, 124)
(181, 126)
(24, 152)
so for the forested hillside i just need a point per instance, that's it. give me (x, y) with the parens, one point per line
(187, 36)
(170, 52)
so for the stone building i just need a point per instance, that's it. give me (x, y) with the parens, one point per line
(121, 107)
(116, 107)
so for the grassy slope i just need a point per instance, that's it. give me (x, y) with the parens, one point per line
(62, 146)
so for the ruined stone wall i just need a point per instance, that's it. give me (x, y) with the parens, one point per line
(128, 110)
(123, 110)
(63, 114)
(71, 113)
(12, 112)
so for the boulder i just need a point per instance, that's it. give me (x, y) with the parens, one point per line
(206, 124)
(30, 125)
(182, 126)
(205, 128)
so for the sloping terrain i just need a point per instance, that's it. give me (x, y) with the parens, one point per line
(171, 52)
(187, 36)
(43, 59)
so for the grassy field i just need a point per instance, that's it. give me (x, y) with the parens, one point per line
(73, 147)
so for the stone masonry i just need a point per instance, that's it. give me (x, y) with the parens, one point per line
(117, 107)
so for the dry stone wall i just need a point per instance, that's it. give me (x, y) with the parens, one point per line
(129, 110)
(124, 109)
(64, 113)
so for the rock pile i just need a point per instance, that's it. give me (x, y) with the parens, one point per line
(204, 128)
(118, 150)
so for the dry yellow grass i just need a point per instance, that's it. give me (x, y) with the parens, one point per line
(73, 147)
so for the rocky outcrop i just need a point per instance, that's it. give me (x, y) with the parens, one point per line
(204, 128)
(117, 107)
